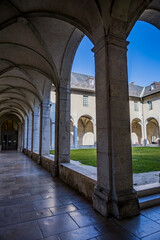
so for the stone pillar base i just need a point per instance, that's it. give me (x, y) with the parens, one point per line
(55, 170)
(122, 206)
(39, 160)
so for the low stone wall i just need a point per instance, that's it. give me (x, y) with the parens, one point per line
(35, 157)
(82, 183)
(29, 153)
(47, 164)
(24, 150)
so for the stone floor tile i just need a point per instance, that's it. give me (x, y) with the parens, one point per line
(27, 208)
(9, 202)
(153, 215)
(82, 204)
(93, 239)
(156, 209)
(84, 219)
(48, 203)
(140, 226)
(28, 216)
(55, 237)
(32, 198)
(110, 230)
(63, 209)
(56, 225)
(2, 211)
(72, 198)
(10, 210)
(23, 231)
(155, 236)
(27, 192)
(23, 195)
(48, 195)
(9, 220)
(39, 191)
(81, 234)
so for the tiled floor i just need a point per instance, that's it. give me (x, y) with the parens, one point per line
(33, 206)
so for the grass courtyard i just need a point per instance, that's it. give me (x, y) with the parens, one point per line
(145, 159)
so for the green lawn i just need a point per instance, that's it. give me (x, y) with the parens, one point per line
(145, 159)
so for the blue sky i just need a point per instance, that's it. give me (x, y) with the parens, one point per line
(143, 55)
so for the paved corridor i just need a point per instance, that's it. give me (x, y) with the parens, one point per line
(33, 205)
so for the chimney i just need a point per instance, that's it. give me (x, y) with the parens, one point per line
(132, 83)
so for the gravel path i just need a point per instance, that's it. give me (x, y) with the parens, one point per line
(145, 178)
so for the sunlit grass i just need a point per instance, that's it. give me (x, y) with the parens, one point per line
(144, 159)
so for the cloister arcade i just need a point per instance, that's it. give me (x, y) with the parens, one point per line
(136, 131)
(152, 130)
(148, 130)
(38, 41)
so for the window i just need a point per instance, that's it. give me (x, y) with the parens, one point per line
(149, 105)
(85, 101)
(153, 86)
(91, 82)
(135, 106)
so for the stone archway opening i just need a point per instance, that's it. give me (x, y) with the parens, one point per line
(136, 132)
(85, 131)
(152, 131)
(9, 135)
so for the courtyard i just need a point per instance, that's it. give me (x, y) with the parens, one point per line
(144, 159)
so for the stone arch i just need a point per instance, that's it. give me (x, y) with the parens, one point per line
(152, 130)
(136, 131)
(85, 131)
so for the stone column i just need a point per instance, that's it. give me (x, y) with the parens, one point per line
(36, 129)
(95, 134)
(30, 131)
(53, 126)
(62, 131)
(53, 136)
(27, 135)
(0, 137)
(144, 133)
(144, 127)
(20, 135)
(44, 129)
(22, 139)
(75, 135)
(114, 194)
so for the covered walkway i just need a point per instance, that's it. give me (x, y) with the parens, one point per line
(33, 205)
(38, 42)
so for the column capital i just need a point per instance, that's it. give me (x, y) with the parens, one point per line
(110, 40)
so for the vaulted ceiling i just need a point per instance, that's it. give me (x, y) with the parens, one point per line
(38, 40)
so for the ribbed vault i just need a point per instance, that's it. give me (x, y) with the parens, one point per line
(38, 40)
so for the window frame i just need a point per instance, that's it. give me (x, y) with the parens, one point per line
(136, 106)
(85, 101)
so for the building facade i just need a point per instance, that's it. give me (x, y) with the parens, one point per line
(144, 105)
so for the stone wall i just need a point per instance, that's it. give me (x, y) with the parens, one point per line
(78, 181)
